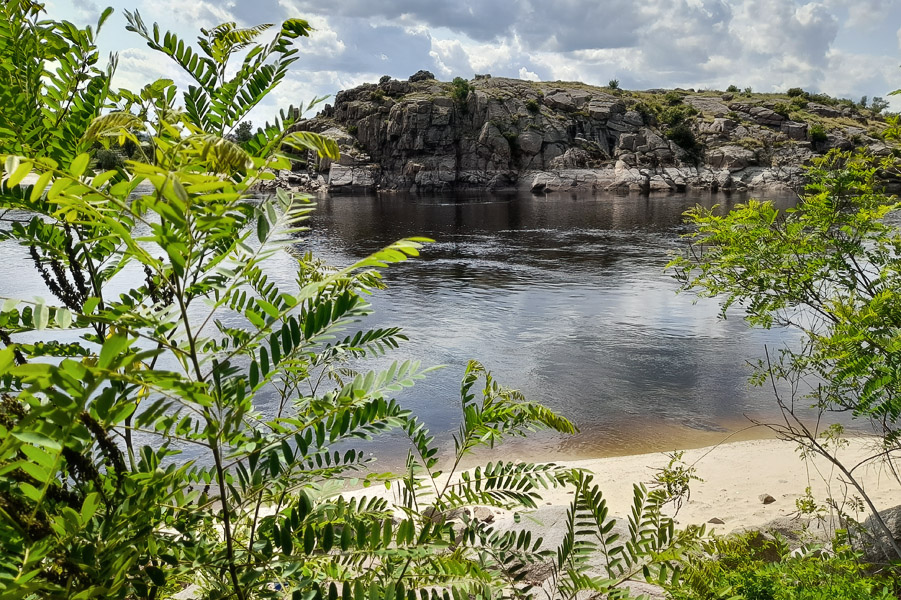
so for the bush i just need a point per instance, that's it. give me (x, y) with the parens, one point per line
(460, 89)
(647, 111)
(754, 568)
(797, 92)
(817, 134)
(672, 98)
(781, 108)
(108, 159)
(377, 96)
(532, 105)
(613, 84)
(673, 115)
(683, 136)
(799, 102)
(732, 89)
(878, 105)
(748, 91)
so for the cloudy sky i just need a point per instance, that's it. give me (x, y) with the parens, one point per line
(847, 48)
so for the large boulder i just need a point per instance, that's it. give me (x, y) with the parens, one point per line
(421, 75)
(794, 130)
(877, 546)
(733, 158)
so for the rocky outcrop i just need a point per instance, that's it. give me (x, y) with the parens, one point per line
(496, 133)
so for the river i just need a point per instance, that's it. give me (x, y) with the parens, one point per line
(563, 297)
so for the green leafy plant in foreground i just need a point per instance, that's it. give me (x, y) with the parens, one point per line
(828, 268)
(167, 334)
(754, 567)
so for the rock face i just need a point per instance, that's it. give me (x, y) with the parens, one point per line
(425, 135)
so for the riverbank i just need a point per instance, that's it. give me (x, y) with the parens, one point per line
(734, 479)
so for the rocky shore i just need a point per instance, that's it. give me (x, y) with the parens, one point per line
(500, 134)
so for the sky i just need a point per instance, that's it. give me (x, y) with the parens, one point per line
(846, 48)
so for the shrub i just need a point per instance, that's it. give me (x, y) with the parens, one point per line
(781, 108)
(352, 129)
(797, 92)
(799, 102)
(672, 98)
(878, 105)
(460, 89)
(823, 99)
(817, 134)
(673, 115)
(732, 89)
(752, 567)
(613, 84)
(108, 159)
(377, 96)
(532, 105)
(683, 136)
(748, 91)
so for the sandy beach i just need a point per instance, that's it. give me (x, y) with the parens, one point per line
(736, 474)
(734, 477)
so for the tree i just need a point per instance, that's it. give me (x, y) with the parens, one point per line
(243, 132)
(831, 269)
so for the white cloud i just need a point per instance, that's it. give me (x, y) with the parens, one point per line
(842, 47)
(528, 75)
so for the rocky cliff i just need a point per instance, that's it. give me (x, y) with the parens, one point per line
(495, 133)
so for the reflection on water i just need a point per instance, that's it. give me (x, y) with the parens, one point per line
(562, 296)
(565, 298)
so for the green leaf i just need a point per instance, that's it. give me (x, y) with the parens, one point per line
(89, 506)
(79, 164)
(19, 174)
(41, 316)
(112, 347)
(37, 439)
(63, 318)
(12, 163)
(40, 185)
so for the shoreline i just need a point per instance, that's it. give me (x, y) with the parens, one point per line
(734, 476)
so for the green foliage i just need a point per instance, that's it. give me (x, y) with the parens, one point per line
(781, 108)
(195, 346)
(675, 115)
(108, 159)
(218, 101)
(460, 89)
(51, 86)
(753, 567)
(733, 89)
(532, 105)
(684, 137)
(878, 105)
(747, 91)
(675, 479)
(613, 84)
(817, 134)
(797, 92)
(243, 132)
(798, 103)
(672, 98)
(775, 265)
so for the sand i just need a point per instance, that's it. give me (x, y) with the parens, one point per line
(734, 477)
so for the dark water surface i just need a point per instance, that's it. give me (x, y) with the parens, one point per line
(565, 298)
(562, 296)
